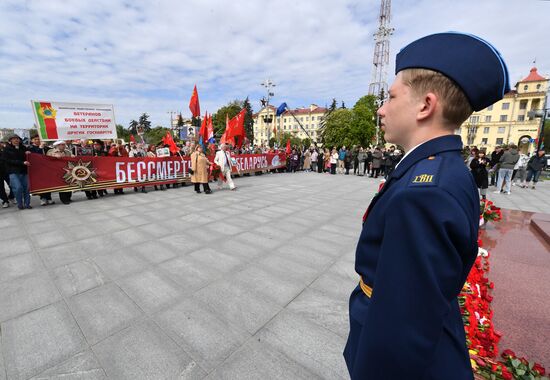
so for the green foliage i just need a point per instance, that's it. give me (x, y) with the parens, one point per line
(122, 132)
(546, 136)
(155, 135)
(218, 119)
(294, 140)
(180, 121)
(248, 120)
(356, 126)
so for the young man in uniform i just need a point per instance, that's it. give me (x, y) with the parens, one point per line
(419, 236)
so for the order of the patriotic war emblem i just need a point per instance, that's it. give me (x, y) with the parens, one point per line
(79, 173)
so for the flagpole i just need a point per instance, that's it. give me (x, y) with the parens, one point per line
(298, 121)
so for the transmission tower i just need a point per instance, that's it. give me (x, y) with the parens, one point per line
(378, 85)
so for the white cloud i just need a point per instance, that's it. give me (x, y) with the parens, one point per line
(146, 56)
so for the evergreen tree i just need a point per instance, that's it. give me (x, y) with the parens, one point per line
(343, 105)
(133, 127)
(323, 123)
(144, 122)
(248, 120)
(180, 121)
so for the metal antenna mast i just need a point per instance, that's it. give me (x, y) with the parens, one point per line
(381, 57)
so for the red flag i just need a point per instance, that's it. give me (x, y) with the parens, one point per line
(194, 105)
(168, 140)
(132, 139)
(209, 129)
(203, 132)
(288, 149)
(225, 139)
(236, 127)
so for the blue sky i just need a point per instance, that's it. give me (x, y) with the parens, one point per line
(145, 56)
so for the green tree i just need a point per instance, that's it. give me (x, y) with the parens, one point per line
(337, 129)
(133, 127)
(122, 132)
(322, 124)
(363, 128)
(155, 135)
(180, 121)
(218, 119)
(546, 136)
(343, 105)
(144, 121)
(248, 120)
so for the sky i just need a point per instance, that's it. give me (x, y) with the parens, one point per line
(146, 56)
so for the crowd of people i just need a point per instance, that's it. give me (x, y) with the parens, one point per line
(505, 167)
(373, 161)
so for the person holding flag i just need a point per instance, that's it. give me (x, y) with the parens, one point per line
(223, 160)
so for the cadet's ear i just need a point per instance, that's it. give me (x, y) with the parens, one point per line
(428, 106)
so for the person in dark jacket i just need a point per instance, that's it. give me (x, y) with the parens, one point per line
(507, 162)
(16, 163)
(534, 168)
(4, 178)
(478, 165)
(495, 159)
(39, 147)
(321, 161)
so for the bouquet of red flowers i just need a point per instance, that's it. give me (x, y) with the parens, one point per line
(489, 212)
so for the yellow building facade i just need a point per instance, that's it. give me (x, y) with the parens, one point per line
(508, 121)
(268, 125)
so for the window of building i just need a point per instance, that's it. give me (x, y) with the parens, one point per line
(318, 117)
(521, 117)
(301, 119)
(490, 108)
(505, 106)
(307, 118)
(500, 141)
(525, 88)
(485, 130)
(523, 105)
(501, 129)
(474, 119)
(484, 141)
(538, 86)
(503, 117)
(488, 119)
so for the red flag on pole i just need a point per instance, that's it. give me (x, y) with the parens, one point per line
(203, 132)
(168, 140)
(237, 127)
(194, 105)
(225, 139)
(288, 149)
(132, 139)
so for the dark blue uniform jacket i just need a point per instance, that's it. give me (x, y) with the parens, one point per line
(416, 249)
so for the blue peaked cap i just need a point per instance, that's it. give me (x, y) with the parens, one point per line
(472, 63)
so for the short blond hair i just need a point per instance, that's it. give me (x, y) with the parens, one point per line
(455, 105)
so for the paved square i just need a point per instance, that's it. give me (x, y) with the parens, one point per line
(234, 285)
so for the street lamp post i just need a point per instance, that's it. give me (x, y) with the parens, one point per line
(268, 84)
(172, 113)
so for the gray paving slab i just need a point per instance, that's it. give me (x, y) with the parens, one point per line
(16, 266)
(16, 245)
(208, 338)
(64, 254)
(239, 305)
(78, 277)
(103, 311)
(144, 351)
(82, 366)
(25, 294)
(40, 340)
(117, 263)
(151, 289)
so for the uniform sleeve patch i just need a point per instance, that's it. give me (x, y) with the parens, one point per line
(426, 172)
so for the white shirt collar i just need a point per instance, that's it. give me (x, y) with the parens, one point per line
(407, 153)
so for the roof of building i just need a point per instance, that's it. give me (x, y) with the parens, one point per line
(533, 76)
(306, 111)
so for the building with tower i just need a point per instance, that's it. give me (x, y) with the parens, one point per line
(510, 120)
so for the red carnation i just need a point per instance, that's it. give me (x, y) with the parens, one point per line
(508, 353)
(540, 369)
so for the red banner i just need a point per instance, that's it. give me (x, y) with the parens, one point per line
(50, 174)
